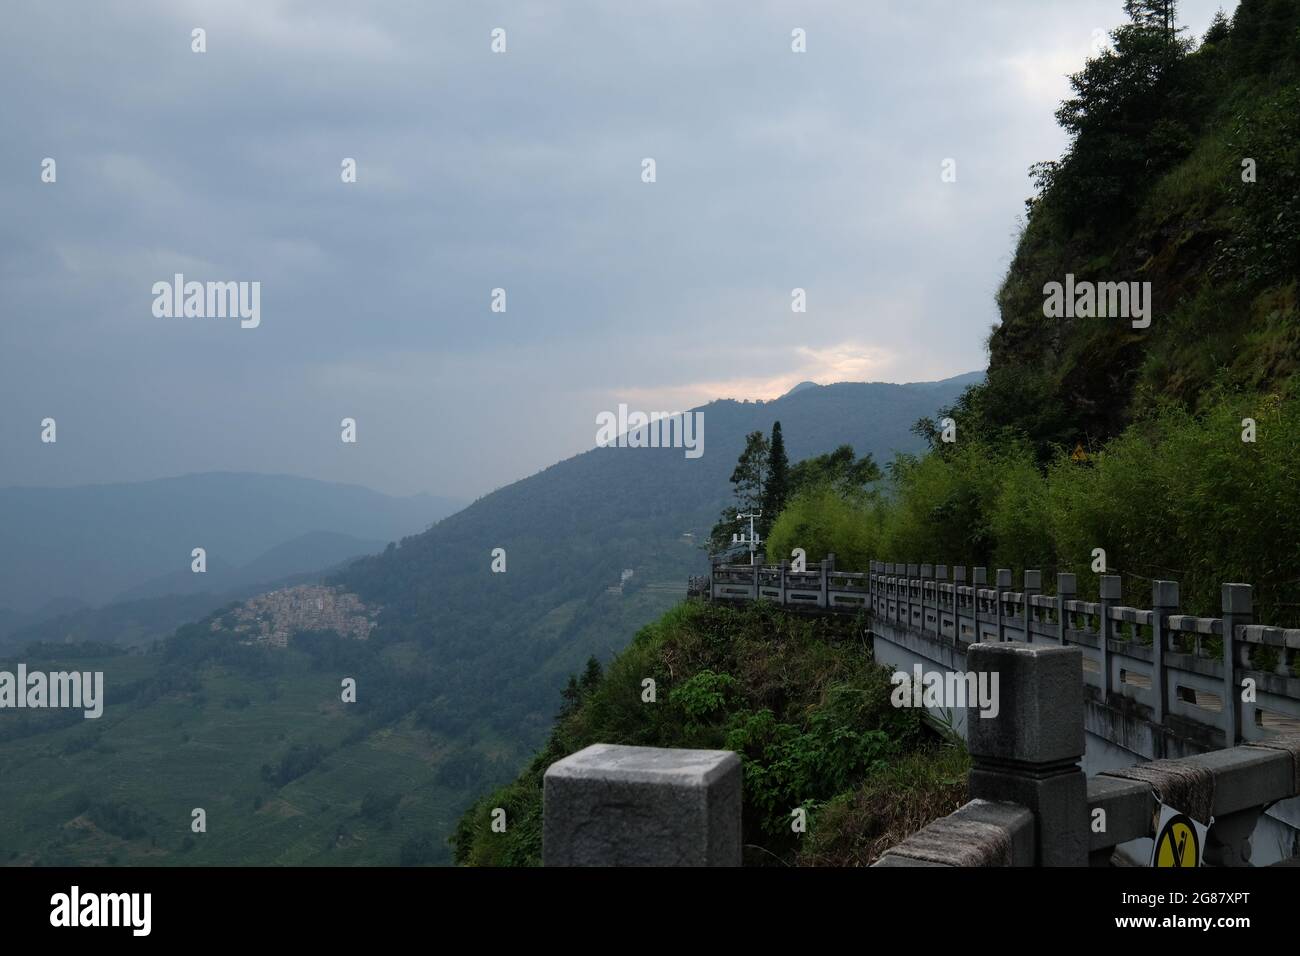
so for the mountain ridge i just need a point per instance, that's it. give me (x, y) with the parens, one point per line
(502, 644)
(91, 543)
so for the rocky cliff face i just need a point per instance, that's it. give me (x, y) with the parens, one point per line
(1208, 162)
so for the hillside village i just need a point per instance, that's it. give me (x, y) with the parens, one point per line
(273, 618)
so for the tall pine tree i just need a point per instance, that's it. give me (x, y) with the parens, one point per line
(777, 488)
(1155, 14)
(749, 478)
(1126, 121)
(749, 484)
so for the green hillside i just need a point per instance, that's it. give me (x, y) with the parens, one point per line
(260, 739)
(1152, 189)
(800, 699)
(501, 645)
(1167, 447)
(456, 688)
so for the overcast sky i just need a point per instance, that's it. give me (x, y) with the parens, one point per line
(477, 170)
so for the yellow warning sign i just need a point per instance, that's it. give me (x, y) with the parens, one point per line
(1179, 840)
(1078, 454)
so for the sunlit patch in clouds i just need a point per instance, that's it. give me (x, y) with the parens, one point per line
(845, 362)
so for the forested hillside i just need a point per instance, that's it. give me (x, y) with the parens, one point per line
(455, 689)
(1183, 171)
(499, 646)
(800, 699)
(1167, 446)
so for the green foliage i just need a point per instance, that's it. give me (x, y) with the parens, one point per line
(822, 522)
(787, 767)
(1019, 509)
(1264, 244)
(1151, 189)
(748, 483)
(1219, 30)
(833, 509)
(1157, 15)
(973, 503)
(841, 470)
(1178, 496)
(801, 701)
(703, 695)
(1012, 404)
(1182, 497)
(777, 487)
(895, 799)
(1135, 87)
(750, 475)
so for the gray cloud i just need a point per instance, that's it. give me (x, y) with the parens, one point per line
(775, 170)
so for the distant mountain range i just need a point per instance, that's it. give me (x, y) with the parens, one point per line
(800, 387)
(314, 551)
(460, 679)
(64, 548)
(502, 644)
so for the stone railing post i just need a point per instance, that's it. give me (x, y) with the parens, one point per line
(783, 569)
(1033, 587)
(958, 582)
(1027, 748)
(1164, 601)
(610, 805)
(1003, 585)
(913, 572)
(1238, 610)
(980, 580)
(1110, 597)
(902, 604)
(1067, 588)
(927, 584)
(940, 579)
(828, 567)
(891, 592)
